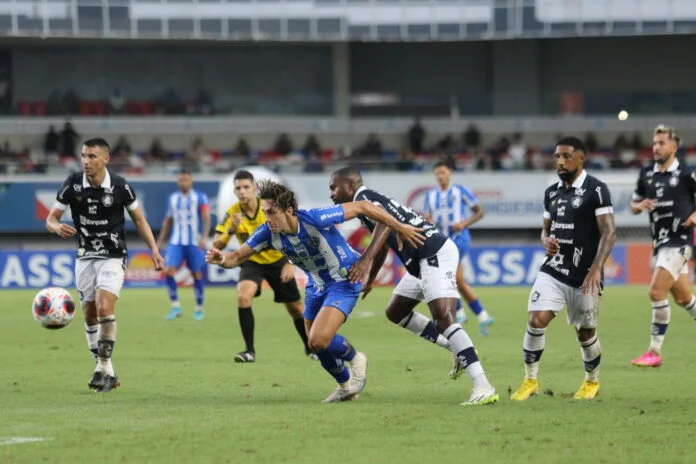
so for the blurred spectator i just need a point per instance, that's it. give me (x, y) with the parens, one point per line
(169, 102)
(591, 143)
(242, 148)
(620, 144)
(518, 152)
(197, 154)
(312, 146)
(122, 145)
(446, 145)
(157, 152)
(51, 142)
(71, 103)
(54, 103)
(204, 102)
(372, 146)
(68, 140)
(636, 142)
(117, 102)
(472, 139)
(283, 144)
(416, 136)
(405, 161)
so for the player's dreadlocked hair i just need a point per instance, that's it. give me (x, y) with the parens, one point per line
(278, 193)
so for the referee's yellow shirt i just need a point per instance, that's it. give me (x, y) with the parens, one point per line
(246, 227)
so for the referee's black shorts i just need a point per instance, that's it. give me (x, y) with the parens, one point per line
(285, 292)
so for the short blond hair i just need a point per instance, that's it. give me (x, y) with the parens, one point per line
(670, 131)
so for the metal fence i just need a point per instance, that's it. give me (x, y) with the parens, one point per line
(368, 20)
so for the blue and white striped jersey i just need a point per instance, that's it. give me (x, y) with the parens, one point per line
(318, 248)
(448, 207)
(185, 211)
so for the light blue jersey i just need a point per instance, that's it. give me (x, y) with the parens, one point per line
(448, 207)
(185, 211)
(318, 248)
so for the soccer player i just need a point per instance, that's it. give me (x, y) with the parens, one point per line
(310, 239)
(578, 235)
(96, 199)
(188, 220)
(241, 220)
(447, 206)
(431, 270)
(666, 191)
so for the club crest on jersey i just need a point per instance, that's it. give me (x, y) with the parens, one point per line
(535, 296)
(674, 181)
(108, 200)
(577, 201)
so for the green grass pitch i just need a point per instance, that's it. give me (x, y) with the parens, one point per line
(183, 399)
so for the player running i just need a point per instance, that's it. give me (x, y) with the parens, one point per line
(188, 220)
(447, 206)
(241, 220)
(310, 239)
(431, 270)
(666, 191)
(578, 235)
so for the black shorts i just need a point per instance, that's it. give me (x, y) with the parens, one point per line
(285, 292)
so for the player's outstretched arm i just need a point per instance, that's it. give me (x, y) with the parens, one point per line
(377, 213)
(367, 262)
(229, 259)
(54, 225)
(145, 232)
(607, 239)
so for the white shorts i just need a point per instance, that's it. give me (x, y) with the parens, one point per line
(438, 277)
(673, 260)
(548, 294)
(98, 274)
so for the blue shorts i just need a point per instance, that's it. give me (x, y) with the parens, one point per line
(194, 257)
(463, 242)
(340, 295)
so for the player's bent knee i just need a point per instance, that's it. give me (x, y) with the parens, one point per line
(318, 341)
(657, 294)
(198, 275)
(585, 334)
(540, 319)
(244, 301)
(683, 301)
(294, 309)
(170, 271)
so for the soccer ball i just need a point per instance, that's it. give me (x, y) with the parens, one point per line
(53, 308)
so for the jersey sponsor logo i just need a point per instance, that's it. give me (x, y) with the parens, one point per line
(92, 209)
(577, 256)
(662, 204)
(77, 188)
(93, 222)
(92, 200)
(97, 244)
(562, 225)
(560, 211)
(579, 191)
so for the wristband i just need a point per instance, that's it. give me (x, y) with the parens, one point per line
(222, 261)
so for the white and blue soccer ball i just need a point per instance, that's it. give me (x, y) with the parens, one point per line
(53, 308)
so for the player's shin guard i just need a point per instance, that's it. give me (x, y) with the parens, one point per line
(172, 290)
(424, 328)
(591, 357)
(660, 321)
(198, 291)
(333, 366)
(533, 346)
(460, 344)
(340, 348)
(105, 345)
(691, 307)
(92, 334)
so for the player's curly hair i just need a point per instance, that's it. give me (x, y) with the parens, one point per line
(278, 193)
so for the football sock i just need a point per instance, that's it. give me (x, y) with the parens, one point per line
(691, 307)
(591, 356)
(246, 323)
(660, 322)
(475, 307)
(333, 366)
(299, 326)
(461, 345)
(533, 346)
(424, 328)
(105, 345)
(92, 334)
(341, 348)
(171, 289)
(198, 291)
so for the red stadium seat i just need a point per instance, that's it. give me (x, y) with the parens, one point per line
(40, 108)
(24, 108)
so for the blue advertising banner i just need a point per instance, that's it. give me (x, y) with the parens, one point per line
(26, 204)
(485, 265)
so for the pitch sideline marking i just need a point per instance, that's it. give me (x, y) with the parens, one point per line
(364, 314)
(19, 440)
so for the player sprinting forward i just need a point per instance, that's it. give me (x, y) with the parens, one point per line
(431, 267)
(666, 191)
(578, 235)
(188, 220)
(96, 199)
(448, 207)
(310, 239)
(241, 220)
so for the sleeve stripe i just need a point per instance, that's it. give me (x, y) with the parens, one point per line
(636, 197)
(60, 206)
(132, 206)
(547, 215)
(604, 210)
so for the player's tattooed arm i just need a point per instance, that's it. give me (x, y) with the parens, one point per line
(368, 260)
(466, 223)
(164, 231)
(607, 239)
(230, 259)
(550, 243)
